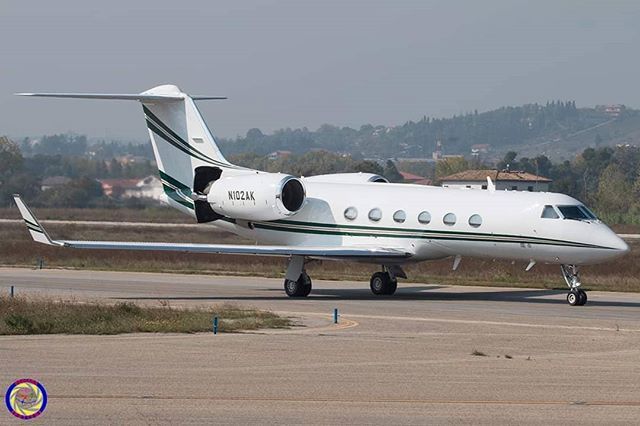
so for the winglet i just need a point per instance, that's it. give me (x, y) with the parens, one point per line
(490, 185)
(35, 229)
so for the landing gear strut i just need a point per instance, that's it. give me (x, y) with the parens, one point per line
(576, 296)
(299, 288)
(383, 283)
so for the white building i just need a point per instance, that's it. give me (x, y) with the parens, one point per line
(510, 180)
(149, 187)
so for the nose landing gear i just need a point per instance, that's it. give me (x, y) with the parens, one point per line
(576, 296)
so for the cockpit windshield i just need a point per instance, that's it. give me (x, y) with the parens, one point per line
(578, 212)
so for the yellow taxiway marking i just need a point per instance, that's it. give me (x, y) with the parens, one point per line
(476, 322)
(343, 324)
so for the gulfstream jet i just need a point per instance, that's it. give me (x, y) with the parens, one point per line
(357, 217)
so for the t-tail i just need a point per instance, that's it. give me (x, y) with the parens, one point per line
(186, 152)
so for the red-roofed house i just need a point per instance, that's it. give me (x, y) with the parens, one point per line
(511, 180)
(415, 179)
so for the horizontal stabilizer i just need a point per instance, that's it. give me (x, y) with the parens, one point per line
(142, 97)
(336, 252)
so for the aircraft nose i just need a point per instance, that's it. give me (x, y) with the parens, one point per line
(620, 245)
(624, 247)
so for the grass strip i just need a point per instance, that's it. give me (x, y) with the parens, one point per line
(30, 315)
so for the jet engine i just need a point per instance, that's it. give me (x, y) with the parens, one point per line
(348, 178)
(256, 196)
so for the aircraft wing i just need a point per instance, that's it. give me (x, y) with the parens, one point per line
(39, 234)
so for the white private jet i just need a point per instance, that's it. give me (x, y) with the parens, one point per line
(347, 216)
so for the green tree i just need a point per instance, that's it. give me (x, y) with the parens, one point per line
(13, 178)
(613, 191)
(83, 192)
(366, 166)
(449, 166)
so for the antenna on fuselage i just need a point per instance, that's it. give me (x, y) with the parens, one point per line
(490, 186)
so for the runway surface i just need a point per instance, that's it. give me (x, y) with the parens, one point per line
(404, 359)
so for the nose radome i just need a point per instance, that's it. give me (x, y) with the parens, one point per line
(620, 245)
(624, 247)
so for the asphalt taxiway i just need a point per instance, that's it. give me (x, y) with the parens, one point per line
(404, 359)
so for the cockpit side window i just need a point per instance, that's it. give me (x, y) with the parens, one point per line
(588, 212)
(574, 213)
(549, 213)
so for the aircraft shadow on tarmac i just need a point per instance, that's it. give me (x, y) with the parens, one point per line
(406, 293)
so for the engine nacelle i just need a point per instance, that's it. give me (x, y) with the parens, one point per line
(348, 178)
(257, 196)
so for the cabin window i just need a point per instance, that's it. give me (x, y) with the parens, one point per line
(424, 218)
(375, 214)
(449, 219)
(549, 213)
(400, 216)
(351, 213)
(475, 220)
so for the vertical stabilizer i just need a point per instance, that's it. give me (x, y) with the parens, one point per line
(181, 142)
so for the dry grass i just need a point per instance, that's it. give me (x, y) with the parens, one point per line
(28, 315)
(16, 248)
(151, 214)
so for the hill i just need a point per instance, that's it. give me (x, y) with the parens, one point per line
(558, 129)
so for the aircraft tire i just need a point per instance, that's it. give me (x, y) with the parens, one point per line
(573, 298)
(582, 296)
(300, 288)
(382, 285)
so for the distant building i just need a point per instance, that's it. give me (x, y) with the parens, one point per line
(612, 110)
(437, 154)
(278, 154)
(480, 149)
(54, 182)
(149, 187)
(129, 159)
(415, 179)
(509, 180)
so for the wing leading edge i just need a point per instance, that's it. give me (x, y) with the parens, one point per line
(39, 234)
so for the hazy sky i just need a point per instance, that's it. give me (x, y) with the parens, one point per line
(304, 63)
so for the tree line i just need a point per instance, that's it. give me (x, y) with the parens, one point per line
(502, 127)
(605, 178)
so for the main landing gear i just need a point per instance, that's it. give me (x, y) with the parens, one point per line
(296, 281)
(382, 284)
(385, 283)
(298, 284)
(576, 296)
(299, 288)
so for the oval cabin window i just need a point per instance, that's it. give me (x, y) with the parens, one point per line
(475, 220)
(351, 213)
(375, 214)
(424, 218)
(449, 219)
(400, 216)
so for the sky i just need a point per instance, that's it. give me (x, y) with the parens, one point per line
(304, 63)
